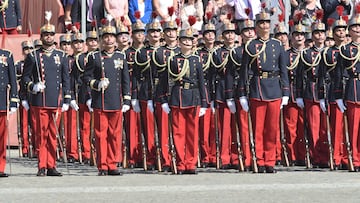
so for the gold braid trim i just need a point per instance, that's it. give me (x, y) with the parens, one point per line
(254, 56)
(153, 57)
(77, 62)
(295, 63)
(331, 66)
(355, 59)
(146, 63)
(184, 69)
(222, 65)
(232, 58)
(315, 62)
(206, 66)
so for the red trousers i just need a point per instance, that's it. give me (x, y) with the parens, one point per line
(85, 122)
(225, 132)
(108, 128)
(24, 130)
(337, 135)
(265, 116)
(294, 132)
(70, 133)
(3, 140)
(132, 120)
(316, 122)
(162, 121)
(353, 117)
(47, 135)
(207, 137)
(185, 124)
(243, 126)
(149, 131)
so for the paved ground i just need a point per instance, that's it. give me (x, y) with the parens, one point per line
(81, 184)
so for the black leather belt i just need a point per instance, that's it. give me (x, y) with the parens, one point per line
(264, 75)
(187, 85)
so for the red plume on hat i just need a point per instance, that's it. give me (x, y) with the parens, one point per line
(263, 5)
(191, 20)
(93, 23)
(281, 18)
(247, 11)
(154, 14)
(346, 18)
(330, 21)
(229, 16)
(77, 25)
(357, 8)
(29, 33)
(299, 16)
(178, 21)
(291, 23)
(162, 22)
(122, 19)
(104, 21)
(319, 14)
(171, 11)
(137, 15)
(208, 16)
(340, 10)
(69, 27)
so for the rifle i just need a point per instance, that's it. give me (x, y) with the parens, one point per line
(283, 139)
(331, 150)
(60, 140)
(92, 141)
(217, 139)
(172, 146)
(238, 144)
(143, 145)
(30, 142)
(78, 125)
(125, 145)
(251, 134)
(307, 143)
(20, 138)
(348, 145)
(7, 124)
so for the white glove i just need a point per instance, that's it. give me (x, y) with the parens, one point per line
(300, 103)
(88, 104)
(38, 87)
(135, 104)
(150, 106)
(12, 110)
(103, 84)
(231, 105)
(244, 103)
(64, 107)
(125, 108)
(322, 105)
(165, 107)
(25, 104)
(284, 101)
(202, 112)
(212, 106)
(341, 105)
(74, 105)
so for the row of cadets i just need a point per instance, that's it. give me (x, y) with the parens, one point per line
(247, 31)
(160, 59)
(207, 122)
(108, 76)
(264, 58)
(187, 94)
(346, 84)
(8, 102)
(293, 115)
(307, 91)
(46, 76)
(144, 85)
(327, 76)
(132, 117)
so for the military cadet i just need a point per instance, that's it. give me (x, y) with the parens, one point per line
(226, 107)
(10, 20)
(207, 122)
(264, 58)
(247, 31)
(24, 113)
(307, 91)
(108, 76)
(65, 43)
(46, 76)
(293, 115)
(132, 117)
(187, 95)
(327, 101)
(162, 55)
(8, 102)
(329, 41)
(37, 44)
(348, 69)
(144, 85)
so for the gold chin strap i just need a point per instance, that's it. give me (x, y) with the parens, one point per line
(185, 69)
(4, 5)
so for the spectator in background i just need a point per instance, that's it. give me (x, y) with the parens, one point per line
(330, 10)
(117, 9)
(192, 8)
(94, 8)
(239, 10)
(10, 20)
(67, 5)
(279, 7)
(145, 8)
(161, 8)
(308, 9)
(219, 9)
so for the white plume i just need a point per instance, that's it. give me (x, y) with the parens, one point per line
(109, 18)
(48, 15)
